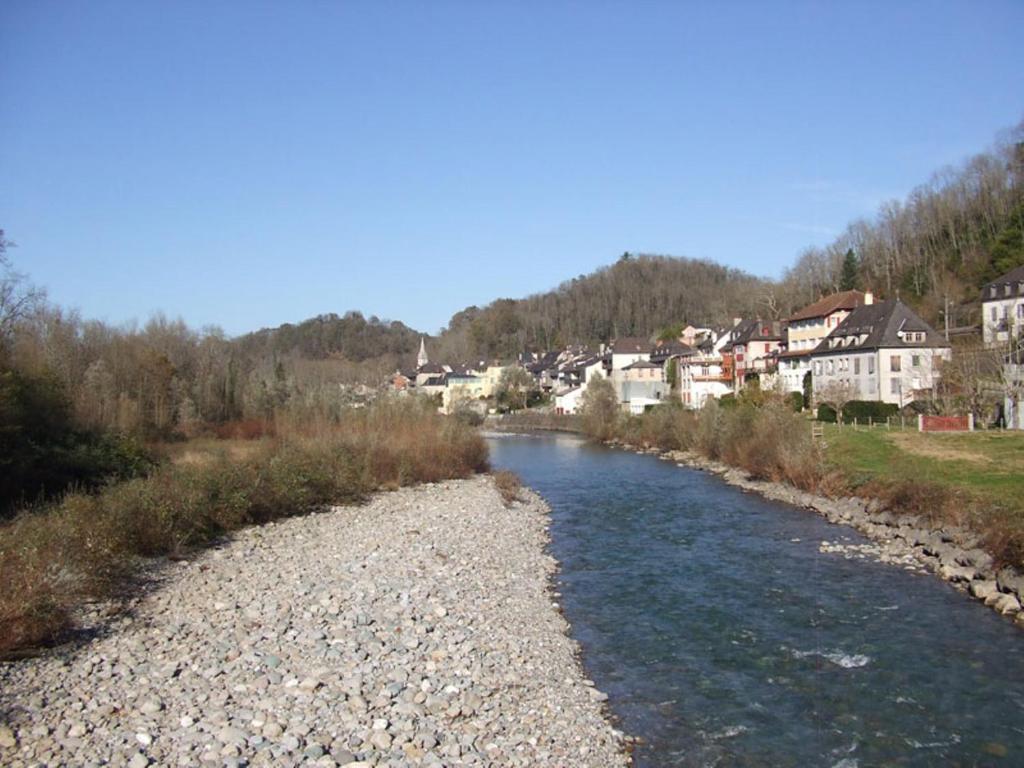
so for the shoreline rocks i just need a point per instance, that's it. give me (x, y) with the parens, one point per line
(952, 553)
(419, 629)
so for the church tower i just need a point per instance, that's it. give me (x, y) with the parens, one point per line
(421, 358)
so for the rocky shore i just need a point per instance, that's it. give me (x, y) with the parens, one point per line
(952, 553)
(418, 629)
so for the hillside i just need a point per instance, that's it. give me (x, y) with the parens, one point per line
(950, 236)
(351, 337)
(636, 296)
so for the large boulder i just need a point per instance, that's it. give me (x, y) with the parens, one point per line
(1007, 604)
(956, 573)
(979, 558)
(1011, 581)
(985, 590)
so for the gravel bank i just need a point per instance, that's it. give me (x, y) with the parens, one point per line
(415, 630)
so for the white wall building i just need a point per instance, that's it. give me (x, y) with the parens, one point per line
(701, 377)
(1002, 302)
(883, 352)
(570, 400)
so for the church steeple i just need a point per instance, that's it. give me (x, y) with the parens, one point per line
(421, 358)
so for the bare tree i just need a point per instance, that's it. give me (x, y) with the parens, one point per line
(17, 298)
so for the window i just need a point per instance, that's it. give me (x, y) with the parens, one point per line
(993, 312)
(894, 385)
(817, 367)
(829, 368)
(915, 361)
(856, 366)
(871, 365)
(894, 363)
(1020, 311)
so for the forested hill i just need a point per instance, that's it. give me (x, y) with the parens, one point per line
(936, 248)
(951, 235)
(351, 337)
(636, 296)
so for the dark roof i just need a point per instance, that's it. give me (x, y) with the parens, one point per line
(997, 288)
(641, 364)
(630, 346)
(825, 306)
(881, 324)
(666, 349)
(751, 330)
(434, 381)
(430, 368)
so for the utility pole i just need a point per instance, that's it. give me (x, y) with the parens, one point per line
(945, 313)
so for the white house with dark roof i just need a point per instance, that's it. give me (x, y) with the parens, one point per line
(628, 351)
(1002, 303)
(883, 352)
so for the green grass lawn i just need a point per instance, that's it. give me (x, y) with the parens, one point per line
(988, 466)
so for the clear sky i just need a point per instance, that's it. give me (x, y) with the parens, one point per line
(246, 164)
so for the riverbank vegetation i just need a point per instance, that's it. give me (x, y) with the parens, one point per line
(974, 479)
(87, 546)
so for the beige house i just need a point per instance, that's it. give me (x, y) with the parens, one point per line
(806, 329)
(460, 389)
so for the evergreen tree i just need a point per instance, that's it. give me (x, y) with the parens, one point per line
(849, 278)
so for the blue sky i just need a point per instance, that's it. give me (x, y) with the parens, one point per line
(247, 164)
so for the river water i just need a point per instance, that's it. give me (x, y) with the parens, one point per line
(725, 638)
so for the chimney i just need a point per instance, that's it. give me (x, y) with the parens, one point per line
(869, 298)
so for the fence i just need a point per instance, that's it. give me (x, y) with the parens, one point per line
(945, 423)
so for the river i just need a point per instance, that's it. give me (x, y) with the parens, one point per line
(723, 637)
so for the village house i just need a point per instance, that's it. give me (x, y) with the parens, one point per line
(751, 348)
(702, 377)
(570, 400)
(460, 388)
(881, 351)
(640, 385)
(806, 329)
(628, 351)
(1002, 303)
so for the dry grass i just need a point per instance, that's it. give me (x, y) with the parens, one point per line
(509, 485)
(84, 547)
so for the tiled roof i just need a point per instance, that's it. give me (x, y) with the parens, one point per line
(881, 325)
(825, 306)
(1014, 279)
(756, 330)
(665, 349)
(631, 346)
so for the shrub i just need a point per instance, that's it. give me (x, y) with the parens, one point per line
(600, 413)
(868, 409)
(826, 413)
(42, 453)
(795, 400)
(509, 485)
(86, 545)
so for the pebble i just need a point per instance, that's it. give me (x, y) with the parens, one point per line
(414, 630)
